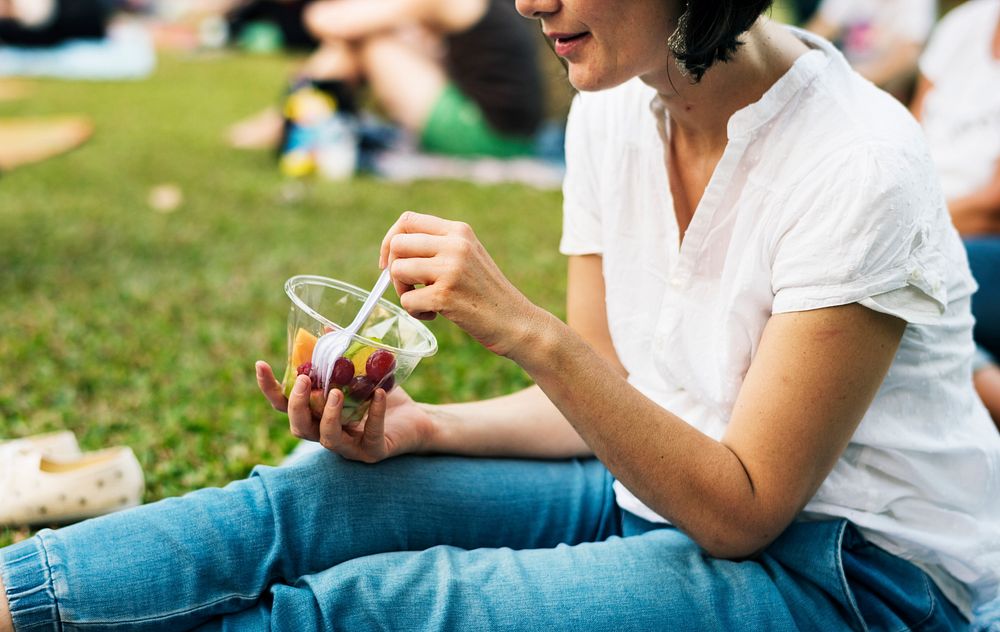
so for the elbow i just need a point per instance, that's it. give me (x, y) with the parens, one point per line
(735, 549)
(739, 539)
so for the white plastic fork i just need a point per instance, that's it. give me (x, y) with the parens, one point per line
(333, 344)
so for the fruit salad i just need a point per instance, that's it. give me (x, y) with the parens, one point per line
(357, 373)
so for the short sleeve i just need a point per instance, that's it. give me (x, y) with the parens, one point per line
(581, 212)
(859, 233)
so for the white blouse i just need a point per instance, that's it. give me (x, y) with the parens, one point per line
(825, 196)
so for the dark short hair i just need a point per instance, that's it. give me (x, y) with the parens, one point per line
(711, 32)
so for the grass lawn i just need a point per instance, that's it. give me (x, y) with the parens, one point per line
(131, 326)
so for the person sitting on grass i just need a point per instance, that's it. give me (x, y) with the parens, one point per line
(758, 415)
(461, 75)
(43, 23)
(958, 104)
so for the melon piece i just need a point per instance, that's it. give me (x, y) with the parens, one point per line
(302, 348)
(302, 352)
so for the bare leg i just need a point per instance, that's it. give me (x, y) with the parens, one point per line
(333, 60)
(405, 79)
(6, 623)
(24, 141)
(987, 381)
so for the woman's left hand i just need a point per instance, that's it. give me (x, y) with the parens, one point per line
(440, 267)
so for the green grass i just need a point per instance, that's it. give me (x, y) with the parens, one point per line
(130, 326)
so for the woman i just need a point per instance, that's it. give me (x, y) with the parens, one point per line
(793, 354)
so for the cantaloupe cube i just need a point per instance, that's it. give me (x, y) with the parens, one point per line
(302, 348)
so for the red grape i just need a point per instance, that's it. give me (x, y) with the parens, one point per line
(380, 364)
(343, 371)
(387, 383)
(361, 388)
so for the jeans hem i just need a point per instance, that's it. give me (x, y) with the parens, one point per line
(28, 581)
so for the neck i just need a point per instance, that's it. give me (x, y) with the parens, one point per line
(700, 112)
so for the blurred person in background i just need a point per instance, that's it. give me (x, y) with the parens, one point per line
(958, 103)
(882, 39)
(461, 75)
(52, 22)
(284, 15)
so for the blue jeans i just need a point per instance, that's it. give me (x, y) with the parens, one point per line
(984, 260)
(444, 543)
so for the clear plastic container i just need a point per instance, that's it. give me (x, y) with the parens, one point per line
(321, 304)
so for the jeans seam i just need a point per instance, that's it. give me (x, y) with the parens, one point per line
(174, 613)
(838, 553)
(51, 581)
(930, 611)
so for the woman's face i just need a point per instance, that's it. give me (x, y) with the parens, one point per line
(607, 42)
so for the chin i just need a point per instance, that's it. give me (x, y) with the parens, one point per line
(589, 82)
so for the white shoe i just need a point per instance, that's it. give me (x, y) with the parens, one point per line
(35, 489)
(54, 445)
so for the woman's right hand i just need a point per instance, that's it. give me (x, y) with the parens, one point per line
(394, 424)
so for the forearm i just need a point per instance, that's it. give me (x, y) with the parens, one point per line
(524, 424)
(353, 20)
(697, 483)
(977, 213)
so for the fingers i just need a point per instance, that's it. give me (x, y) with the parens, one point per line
(406, 245)
(270, 386)
(300, 417)
(409, 273)
(421, 303)
(329, 425)
(410, 222)
(408, 257)
(373, 440)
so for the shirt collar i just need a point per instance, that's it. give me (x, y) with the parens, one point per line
(804, 70)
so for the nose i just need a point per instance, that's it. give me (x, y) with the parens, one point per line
(537, 9)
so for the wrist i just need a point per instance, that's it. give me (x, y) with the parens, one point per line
(435, 437)
(540, 333)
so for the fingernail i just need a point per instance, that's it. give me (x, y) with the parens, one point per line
(302, 384)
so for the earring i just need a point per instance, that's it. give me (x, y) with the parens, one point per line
(678, 40)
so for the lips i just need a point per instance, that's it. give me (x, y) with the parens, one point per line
(566, 43)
